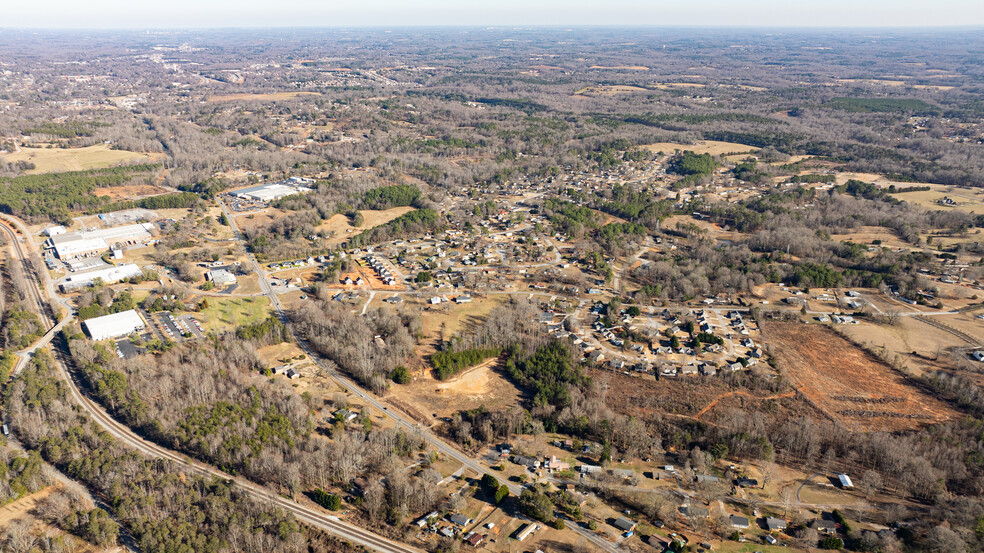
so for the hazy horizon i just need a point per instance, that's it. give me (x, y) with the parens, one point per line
(204, 14)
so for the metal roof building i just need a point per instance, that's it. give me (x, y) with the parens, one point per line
(109, 275)
(114, 326)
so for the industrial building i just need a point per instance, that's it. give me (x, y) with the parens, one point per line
(87, 243)
(109, 275)
(221, 277)
(114, 326)
(273, 191)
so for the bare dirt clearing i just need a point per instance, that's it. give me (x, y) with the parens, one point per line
(482, 385)
(116, 193)
(848, 384)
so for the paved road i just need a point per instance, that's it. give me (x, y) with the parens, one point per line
(400, 419)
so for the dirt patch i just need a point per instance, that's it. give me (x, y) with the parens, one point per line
(116, 193)
(847, 383)
(482, 385)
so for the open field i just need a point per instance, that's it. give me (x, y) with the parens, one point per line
(454, 317)
(609, 90)
(52, 160)
(228, 313)
(339, 224)
(848, 384)
(116, 193)
(482, 385)
(270, 97)
(713, 147)
(668, 86)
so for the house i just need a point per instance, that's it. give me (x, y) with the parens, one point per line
(845, 481)
(624, 473)
(553, 463)
(423, 520)
(775, 524)
(292, 374)
(463, 299)
(589, 469)
(624, 524)
(435, 300)
(596, 356)
(824, 526)
(473, 538)
(525, 531)
(706, 479)
(447, 531)
(745, 482)
(459, 519)
(528, 462)
(346, 415)
(739, 522)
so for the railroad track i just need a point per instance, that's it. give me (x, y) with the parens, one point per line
(14, 234)
(330, 524)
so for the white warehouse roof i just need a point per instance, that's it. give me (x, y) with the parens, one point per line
(114, 326)
(108, 275)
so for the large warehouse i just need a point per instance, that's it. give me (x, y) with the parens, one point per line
(114, 326)
(86, 243)
(272, 191)
(109, 275)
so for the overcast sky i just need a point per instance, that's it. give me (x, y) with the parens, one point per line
(326, 13)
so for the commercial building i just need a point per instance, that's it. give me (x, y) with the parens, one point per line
(221, 277)
(86, 243)
(273, 191)
(114, 326)
(109, 275)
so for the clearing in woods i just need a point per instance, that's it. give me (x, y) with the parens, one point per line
(609, 89)
(57, 160)
(339, 224)
(713, 147)
(849, 384)
(481, 385)
(116, 193)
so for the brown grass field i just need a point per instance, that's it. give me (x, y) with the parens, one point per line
(339, 224)
(271, 97)
(116, 193)
(626, 67)
(849, 384)
(712, 147)
(52, 160)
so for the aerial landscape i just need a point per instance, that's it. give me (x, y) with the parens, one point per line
(504, 288)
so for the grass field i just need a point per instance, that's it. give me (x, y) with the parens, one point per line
(712, 147)
(849, 384)
(227, 313)
(271, 97)
(116, 193)
(52, 160)
(339, 224)
(625, 67)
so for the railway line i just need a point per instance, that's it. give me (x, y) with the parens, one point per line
(330, 524)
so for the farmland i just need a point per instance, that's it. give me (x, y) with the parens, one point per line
(848, 384)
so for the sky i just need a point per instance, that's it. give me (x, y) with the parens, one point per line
(142, 14)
